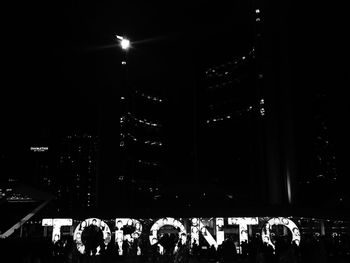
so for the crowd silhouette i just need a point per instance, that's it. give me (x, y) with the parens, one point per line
(175, 249)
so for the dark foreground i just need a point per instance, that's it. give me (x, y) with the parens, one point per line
(325, 250)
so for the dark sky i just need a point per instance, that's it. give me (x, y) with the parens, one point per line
(50, 47)
(54, 52)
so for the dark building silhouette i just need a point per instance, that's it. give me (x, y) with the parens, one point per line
(232, 127)
(76, 177)
(232, 117)
(142, 146)
(41, 166)
(320, 182)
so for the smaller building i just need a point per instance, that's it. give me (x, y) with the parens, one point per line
(76, 177)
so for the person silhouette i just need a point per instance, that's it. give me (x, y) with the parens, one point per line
(92, 237)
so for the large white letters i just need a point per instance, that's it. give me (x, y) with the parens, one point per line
(77, 236)
(163, 222)
(120, 235)
(56, 223)
(198, 226)
(266, 237)
(243, 223)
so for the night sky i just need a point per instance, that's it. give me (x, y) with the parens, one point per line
(62, 58)
(59, 58)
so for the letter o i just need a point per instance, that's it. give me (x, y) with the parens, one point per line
(162, 222)
(80, 228)
(265, 233)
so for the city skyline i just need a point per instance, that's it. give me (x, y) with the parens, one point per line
(69, 79)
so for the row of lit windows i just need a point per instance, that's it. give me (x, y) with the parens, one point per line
(148, 163)
(146, 142)
(80, 136)
(222, 70)
(142, 121)
(149, 97)
(230, 116)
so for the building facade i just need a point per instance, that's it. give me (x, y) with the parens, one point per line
(142, 153)
(232, 122)
(76, 178)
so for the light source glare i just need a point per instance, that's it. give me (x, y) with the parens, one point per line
(125, 43)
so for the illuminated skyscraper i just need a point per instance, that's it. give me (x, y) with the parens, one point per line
(141, 144)
(233, 121)
(154, 133)
(232, 145)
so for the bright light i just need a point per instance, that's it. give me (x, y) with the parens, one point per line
(125, 43)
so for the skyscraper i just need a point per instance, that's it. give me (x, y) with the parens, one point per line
(142, 143)
(155, 131)
(76, 178)
(231, 146)
(232, 120)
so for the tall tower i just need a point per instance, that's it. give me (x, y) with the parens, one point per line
(233, 119)
(141, 146)
(142, 143)
(231, 143)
